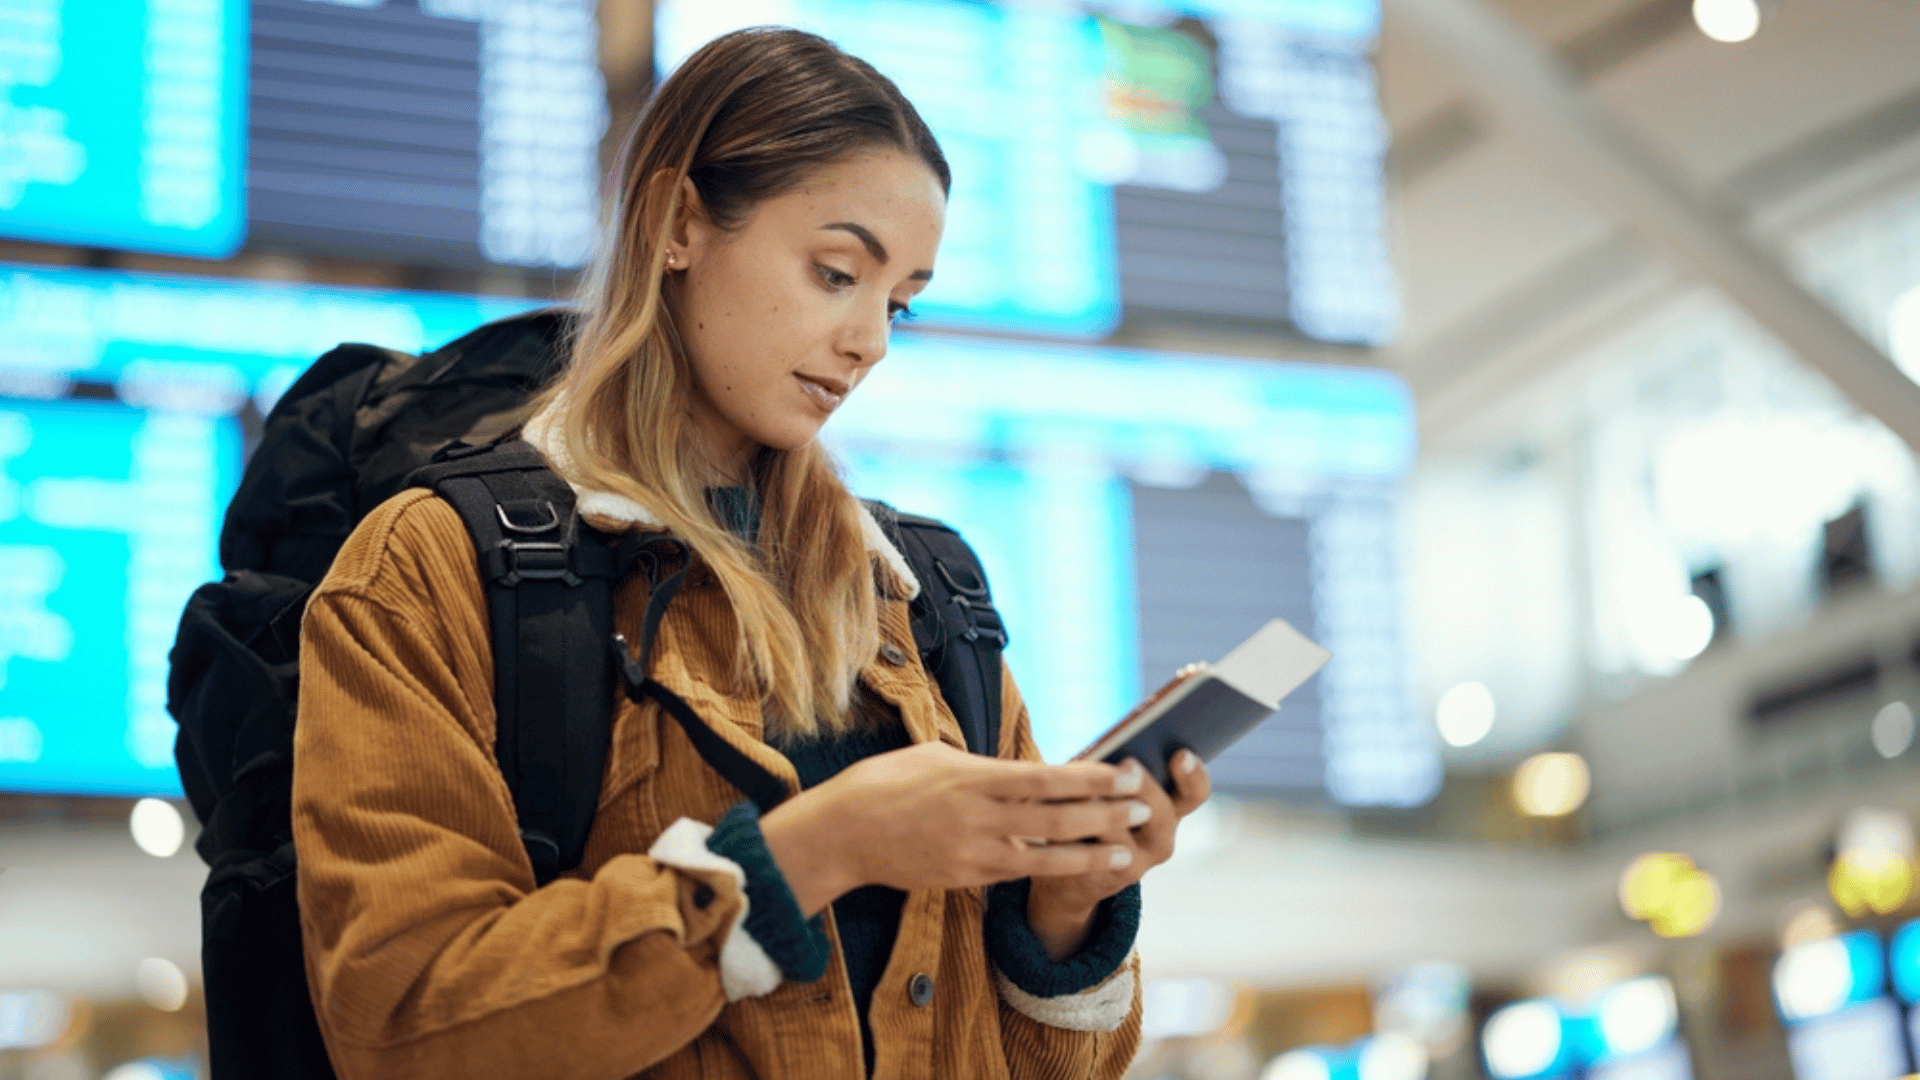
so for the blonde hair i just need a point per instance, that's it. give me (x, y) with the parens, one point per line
(744, 118)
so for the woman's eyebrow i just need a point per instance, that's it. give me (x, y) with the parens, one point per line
(873, 245)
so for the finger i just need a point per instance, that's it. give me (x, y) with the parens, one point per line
(1155, 836)
(1192, 783)
(1037, 781)
(1075, 820)
(1072, 860)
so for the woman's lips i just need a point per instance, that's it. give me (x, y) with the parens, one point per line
(823, 394)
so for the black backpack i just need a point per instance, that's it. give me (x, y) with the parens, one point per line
(359, 426)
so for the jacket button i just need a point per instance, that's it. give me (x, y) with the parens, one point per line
(920, 989)
(893, 654)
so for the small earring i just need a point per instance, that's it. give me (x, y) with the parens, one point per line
(673, 261)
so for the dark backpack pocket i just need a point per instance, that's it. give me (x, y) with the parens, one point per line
(259, 1020)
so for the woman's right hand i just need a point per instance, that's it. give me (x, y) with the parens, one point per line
(932, 816)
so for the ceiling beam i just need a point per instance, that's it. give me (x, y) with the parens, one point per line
(1537, 98)
(1455, 128)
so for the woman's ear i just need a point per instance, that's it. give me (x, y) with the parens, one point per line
(692, 231)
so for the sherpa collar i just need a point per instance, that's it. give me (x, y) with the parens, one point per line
(609, 512)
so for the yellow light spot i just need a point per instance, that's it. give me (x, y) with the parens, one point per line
(1667, 892)
(1691, 908)
(1648, 883)
(1863, 882)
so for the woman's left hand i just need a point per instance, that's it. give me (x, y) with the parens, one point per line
(1060, 909)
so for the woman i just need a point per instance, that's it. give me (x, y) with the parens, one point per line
(781, 207)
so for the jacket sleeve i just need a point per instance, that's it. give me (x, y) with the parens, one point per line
(430, 952)
(1091, 1033)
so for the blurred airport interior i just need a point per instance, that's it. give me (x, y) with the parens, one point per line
(1552, 362)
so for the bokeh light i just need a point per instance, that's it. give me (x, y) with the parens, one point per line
(1637, 1015)
(1297, 1065)
(161, 984)
(1873, 831)
(1648, 882)
(1729, 21)
(1872, 868)
(1893, 729)
(1465, 714)
(1693, 906)
(1903, 331)
(1676, 629)
(32, 1018)
(1522, 1040)
(1870, 883)
(157, 827)
(1903, 962)
(1551, 785)
(1813, 978)
(1392, 1056)
(1671, 895)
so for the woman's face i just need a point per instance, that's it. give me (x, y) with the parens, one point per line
(785, 314)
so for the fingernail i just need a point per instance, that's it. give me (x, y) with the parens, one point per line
(1138, 812)
(1127, 780)
(1120, 857)
(1189, 761)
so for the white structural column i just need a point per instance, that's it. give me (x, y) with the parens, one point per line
(1625, 178)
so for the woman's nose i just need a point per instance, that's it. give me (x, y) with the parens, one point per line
(866, 339)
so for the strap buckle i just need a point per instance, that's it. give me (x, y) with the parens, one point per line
(536, 560)
(977, 620)
(973, 614)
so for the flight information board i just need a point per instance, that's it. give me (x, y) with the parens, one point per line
(1217, 159)
(122, 123)
(1210, 159)
(108, 517)
(434, 132)
(448, 132)
(120, 444)
(1075, 471)
(1080, 474)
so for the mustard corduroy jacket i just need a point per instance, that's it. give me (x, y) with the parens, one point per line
(430, 953)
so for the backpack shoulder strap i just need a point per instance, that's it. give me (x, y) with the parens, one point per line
(959, 633)
(549, 583)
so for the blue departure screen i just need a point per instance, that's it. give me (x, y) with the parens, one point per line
(108, 517)
(122, 123)
(1037, 453)
(111, 498)
(1213, 159)
(122, 398)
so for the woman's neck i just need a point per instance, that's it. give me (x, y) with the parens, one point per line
(721, 455)
(713, 465)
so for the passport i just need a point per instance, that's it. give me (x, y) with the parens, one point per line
(1208, 707)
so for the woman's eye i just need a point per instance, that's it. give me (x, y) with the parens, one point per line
(899, 313)
(836, 279)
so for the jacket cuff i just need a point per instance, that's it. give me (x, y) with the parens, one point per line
(798, 945)
(1102, 1008)
(1023, 961)
(745, 969)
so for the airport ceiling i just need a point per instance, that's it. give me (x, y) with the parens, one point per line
(1507, 273)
